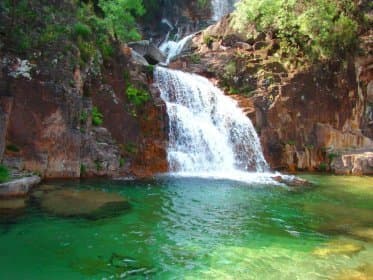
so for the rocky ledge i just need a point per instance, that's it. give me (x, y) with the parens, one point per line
(18, 187)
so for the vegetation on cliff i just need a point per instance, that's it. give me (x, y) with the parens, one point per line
(317, 29)
(92, 25)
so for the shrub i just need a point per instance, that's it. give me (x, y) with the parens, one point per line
(137, 96)
(97, 117)
(4, 173)
(82, 30)
(323, 167)
(208, 40)
(319, 29)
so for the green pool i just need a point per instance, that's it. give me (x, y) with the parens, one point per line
(188, 228)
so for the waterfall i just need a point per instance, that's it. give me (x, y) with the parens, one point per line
(208, 132)
(171, 48)
(221, 8)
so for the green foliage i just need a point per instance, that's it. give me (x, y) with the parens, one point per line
(230, 69)
(208, 40)
(83, 169)
(323, 167)
(195, 58)
(121, 162)
(98, 165)
(82, 30)
(319, 29)
(129, 148)
(202, 3)
(137, 96)
(4, 173)
(97, 117)
(12, 148)
(119, 18)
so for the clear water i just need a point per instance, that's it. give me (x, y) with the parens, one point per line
(208, 132)
(185, 228)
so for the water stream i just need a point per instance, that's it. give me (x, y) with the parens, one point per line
(221, 8)
(208, 132)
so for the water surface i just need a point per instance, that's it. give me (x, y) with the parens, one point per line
(188, 228)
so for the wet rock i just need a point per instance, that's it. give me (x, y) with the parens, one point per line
(148, 50)
(18, 187)
(291, 181)
(83, 203)
(338, 248)
(138, 58)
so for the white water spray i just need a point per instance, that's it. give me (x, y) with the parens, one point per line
(208, 132)
(221, 8)
(171, 48)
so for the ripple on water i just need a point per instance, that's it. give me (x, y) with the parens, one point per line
(194, 228)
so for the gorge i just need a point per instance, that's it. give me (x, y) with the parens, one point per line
(157, 139)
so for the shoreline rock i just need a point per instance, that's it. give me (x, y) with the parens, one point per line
(18, 187)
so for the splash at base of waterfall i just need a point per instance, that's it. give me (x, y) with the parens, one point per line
(209, 135)
(257, 178)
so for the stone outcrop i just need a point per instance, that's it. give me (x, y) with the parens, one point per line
(18, 187)
(148, 50)
(353, 163)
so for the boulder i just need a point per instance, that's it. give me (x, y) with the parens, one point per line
(138, 58)
(18, 187)
(83, 203)
(148, 50)
(291, 181)
(355, 163)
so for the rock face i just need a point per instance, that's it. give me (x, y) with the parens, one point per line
(46, 121)
(18, 187)
(305, 116)
(355, 163)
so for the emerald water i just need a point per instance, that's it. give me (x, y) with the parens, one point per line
(188, 228)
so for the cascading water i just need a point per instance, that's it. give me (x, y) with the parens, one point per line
(208, 133)
(171, 48)
(221, 8)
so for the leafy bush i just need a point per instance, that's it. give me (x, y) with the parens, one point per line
(82, 30)
(97, 117)
(137, 96)
(4, 173)
(119, 18)
(323, 167)
(319, 29)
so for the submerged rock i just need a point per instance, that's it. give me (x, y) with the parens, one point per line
(363, 272)
(363, 233)
(83, 203)
(339, 248)
(12, 204)
(291, 181)
(18, 187)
